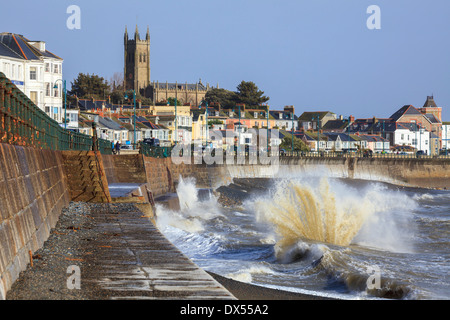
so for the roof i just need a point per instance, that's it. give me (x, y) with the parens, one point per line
(405, 110)
(8, 52)
(432, 118)
(429, 103)
(285, 115)
(109, 123)
(308, 115)
(337, 124)
(372, 138)
(20, 47)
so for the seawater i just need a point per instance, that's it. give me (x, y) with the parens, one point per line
(342, 238)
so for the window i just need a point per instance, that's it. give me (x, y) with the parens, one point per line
(47, 90)
(56, 91)
(33, 96)
(55, 68)
(47, 67)
(33, 73)
(6, 69)
(73, 117)
(402, 136)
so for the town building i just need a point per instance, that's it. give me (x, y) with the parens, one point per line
(36, 71)
(285, 119)
(446, 135)
(314, 120)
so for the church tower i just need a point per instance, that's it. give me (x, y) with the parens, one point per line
(136, 74)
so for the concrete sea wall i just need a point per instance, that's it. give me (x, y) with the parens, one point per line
(161, 174)
(33, 192)
(424, 173)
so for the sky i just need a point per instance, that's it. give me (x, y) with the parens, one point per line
(318, 55)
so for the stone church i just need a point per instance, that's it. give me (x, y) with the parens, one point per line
(136, 75)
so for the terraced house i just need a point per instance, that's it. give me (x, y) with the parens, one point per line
(36, 71)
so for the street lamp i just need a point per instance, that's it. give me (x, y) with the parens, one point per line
(65, 100)
(206, 119)
(176, 122)
(292, 146)
(134, 133)
(317, 118)
(267, 131)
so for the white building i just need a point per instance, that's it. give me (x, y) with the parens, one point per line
(34, 70)
(418, 138)
(445, 135)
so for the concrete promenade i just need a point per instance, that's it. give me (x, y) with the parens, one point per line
(120, 255)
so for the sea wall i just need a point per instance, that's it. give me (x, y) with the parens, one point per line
(161, 175)
(86, 177)
(424, 173)
(33, 192)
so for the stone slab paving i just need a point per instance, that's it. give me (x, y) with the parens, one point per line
(138, 262)
(120, 254)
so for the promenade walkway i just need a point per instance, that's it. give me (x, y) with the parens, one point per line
(120, 255)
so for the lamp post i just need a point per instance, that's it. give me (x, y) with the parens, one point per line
(176, 122)
(65, 99)
(134, 102)
(317, 118)
(267, 131)
(240, 129)
(446, 140)
(292, 146)
(134, 122)
(206, 119)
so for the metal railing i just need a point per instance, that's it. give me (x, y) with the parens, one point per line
(155, 152)
(386, 155)
(25, 124)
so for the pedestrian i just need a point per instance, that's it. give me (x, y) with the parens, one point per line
(117, 147)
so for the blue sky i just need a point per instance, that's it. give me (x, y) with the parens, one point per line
(314, 54)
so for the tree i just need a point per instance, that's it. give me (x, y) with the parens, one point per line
(299, 145)
(129, 98)
(116, 81)
(249, 94)
(171, 101)
(224, 97)
(89, 86)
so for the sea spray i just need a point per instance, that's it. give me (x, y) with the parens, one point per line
(192, 213)
(235, 244)
(328, 212)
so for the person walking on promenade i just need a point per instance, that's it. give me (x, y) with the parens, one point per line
(117, 147)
